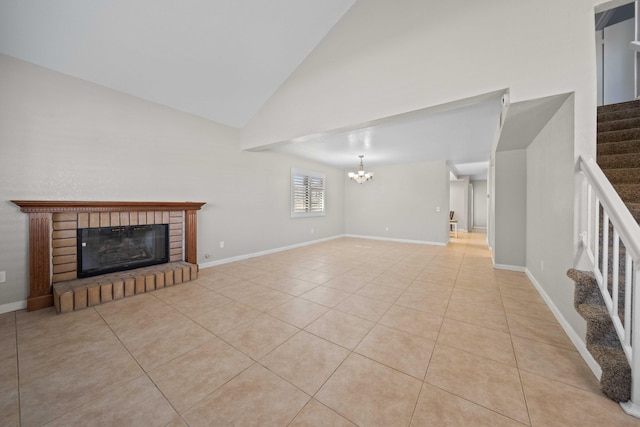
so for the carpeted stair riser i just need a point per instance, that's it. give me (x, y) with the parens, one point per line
(623, 175)
(620, 147)
(618, 161)
(621, 124)
(600, 330)
(618, 115)
(590, 305)
(586, 307)
(618, 155)
(602, 341)
(585, 293)
(629, 105)
(618, 135)
(629, 193)
(615, 380)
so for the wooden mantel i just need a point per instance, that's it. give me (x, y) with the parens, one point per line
(30, 206)
(40, 211)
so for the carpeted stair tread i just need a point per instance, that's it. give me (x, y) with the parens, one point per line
(621, 106)
(618, 135)
(586, 291)
(615, 380)
(616, 161)
(618, 155)
(626, 113)
(602, 340)
(595, 313)
(629, 193)
(593, 308)
(620, 124)
(587, 296)
(620, 147)
(623, 175)
(618, 115)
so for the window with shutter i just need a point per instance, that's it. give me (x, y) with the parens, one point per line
(307, 193)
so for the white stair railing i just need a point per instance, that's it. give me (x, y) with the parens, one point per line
(603, 200)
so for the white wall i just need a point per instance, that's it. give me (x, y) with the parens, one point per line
(479, 204)
(599, 69)
(385, 58)
(65, 139)
(404, 199)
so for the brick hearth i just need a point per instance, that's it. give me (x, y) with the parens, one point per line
(82, 293)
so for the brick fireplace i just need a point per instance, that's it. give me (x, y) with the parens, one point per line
(53, 229)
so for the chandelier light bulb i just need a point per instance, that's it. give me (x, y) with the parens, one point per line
(361, 176)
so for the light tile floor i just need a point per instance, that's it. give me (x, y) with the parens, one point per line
(342, 333)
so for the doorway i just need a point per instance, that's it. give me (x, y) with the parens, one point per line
(615, 54)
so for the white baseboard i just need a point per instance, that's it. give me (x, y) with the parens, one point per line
(389, 239)
(13, 306)
(299, 245)
(509, 267)
(577, 341)
(267, 252)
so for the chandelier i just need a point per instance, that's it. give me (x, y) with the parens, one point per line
(361, 176)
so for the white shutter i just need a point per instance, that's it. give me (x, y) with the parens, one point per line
(307, 193)
(316, 194)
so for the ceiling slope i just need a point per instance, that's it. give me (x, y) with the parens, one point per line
(216, 59)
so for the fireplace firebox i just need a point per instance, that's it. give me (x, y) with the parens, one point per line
(109, 249)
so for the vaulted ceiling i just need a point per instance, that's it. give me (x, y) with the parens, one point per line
(222, 60)
(217, 59)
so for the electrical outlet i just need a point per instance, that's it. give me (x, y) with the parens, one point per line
(312, 231)
(3, 276)
(221, 243)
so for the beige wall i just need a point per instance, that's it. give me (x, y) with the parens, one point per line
(550, 206)
(400, 203)
(479, 204)
(510, 209)
(65, 139)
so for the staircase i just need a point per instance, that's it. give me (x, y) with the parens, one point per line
(618, 155)
(619, 150)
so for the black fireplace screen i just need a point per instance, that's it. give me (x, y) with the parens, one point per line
(109, 249)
